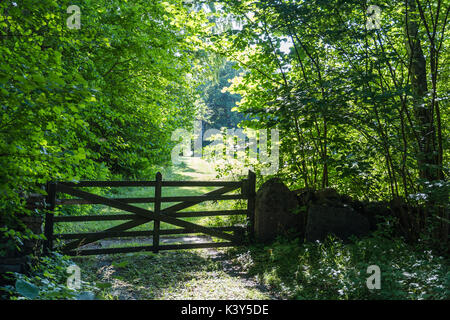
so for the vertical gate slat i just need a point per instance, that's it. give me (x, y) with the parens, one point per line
(251, 194)
(157, 210)
(48, 228)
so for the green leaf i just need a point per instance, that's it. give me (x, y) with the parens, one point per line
(27, 289)
(86, 295)
(103, 285)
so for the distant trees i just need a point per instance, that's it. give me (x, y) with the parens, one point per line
(362, 109)
(220, 104)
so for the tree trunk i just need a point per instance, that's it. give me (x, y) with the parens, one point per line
(423, 110)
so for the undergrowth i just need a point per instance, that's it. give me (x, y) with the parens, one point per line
(335, 270)
(48, 280)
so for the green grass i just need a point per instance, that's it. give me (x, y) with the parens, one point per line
(334, 270)
(187, 274)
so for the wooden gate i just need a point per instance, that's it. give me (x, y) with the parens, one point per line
(232, 235)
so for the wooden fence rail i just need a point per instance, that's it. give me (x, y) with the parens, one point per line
(138, 216)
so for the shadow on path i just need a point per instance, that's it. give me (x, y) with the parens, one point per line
(173, 275)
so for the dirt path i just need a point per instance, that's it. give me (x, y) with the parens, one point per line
(201, 274)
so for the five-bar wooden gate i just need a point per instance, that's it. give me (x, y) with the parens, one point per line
(233, 235)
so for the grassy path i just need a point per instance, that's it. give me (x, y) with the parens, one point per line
(188, 274)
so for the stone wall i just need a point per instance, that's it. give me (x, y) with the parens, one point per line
(311, 215)
(275, 215)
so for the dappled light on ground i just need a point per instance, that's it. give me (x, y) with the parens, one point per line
(199, 274)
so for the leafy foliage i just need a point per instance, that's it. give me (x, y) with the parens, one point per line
(221, 104)
(48, 281)
(332, 270)
(90, 102)
(362, 110)
(359, 109)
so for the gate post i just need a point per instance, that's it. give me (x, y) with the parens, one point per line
(251, 196)
(48, 228)
(157, 210)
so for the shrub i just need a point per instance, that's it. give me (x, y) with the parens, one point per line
(48, 281)
(333, 269)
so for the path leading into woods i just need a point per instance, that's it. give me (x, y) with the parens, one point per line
(188, 274)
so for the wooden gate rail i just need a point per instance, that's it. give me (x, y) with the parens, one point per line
(86, 252)
(150, 200)
(124, 234)
(141, 216)
(184, 214)
(234, 184)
